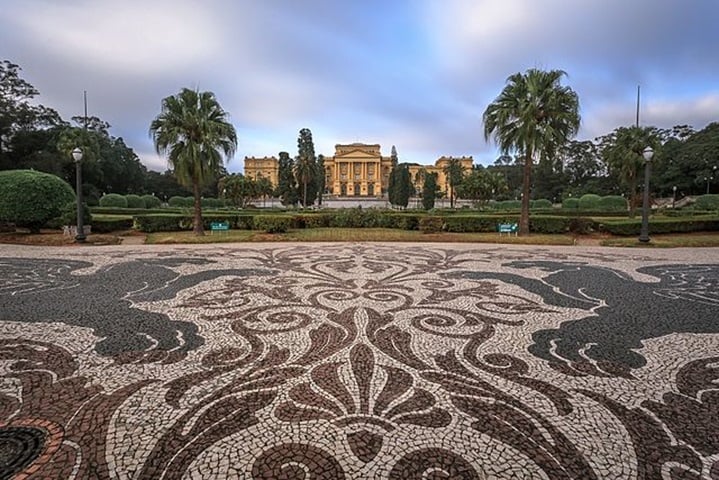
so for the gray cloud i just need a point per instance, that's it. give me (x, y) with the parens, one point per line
(416, 74)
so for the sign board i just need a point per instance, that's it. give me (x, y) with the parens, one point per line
(219, 226)
(508, 228)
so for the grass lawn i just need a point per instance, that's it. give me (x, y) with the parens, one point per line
(666, 241)
(356, 235)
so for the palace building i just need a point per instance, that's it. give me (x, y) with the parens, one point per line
(357, 169)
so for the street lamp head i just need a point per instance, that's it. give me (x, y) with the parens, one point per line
(77, 154)
(648, 153)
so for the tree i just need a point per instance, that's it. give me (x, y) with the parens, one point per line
(286, 183)
(429, 190)
(622, 150)
(481, 184)
(238, 189)
(454, 172)
(320, 178)
(264, 188)
(400, 185)
(195, 133)
(306, 166)
(534, 115)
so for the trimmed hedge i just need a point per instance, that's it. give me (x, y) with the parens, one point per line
(111, 225)
(273, 223)
(113, 200)
(431, 224)
(29, 198)
(707, 202)
(135, 201)
(589, 201)
(133, 211)
(151, 201)
(570, 203)
(540, 203)
(181, 202)
(473, 223)
(664, 225)
(613, 203)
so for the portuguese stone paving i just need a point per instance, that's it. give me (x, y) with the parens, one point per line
(366, 361)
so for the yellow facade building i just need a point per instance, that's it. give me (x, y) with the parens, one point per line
(357, 169)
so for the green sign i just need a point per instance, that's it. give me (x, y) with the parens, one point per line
(507, 228)
(219, 226)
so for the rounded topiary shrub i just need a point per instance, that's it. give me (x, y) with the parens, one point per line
(541, 203)
(212, 202)
(135, 201)
(707, 202)
(613, 203)
(29, 198)
(181, 202)
(590, 201)
(570, 203)
(151, 201)
(113, 200)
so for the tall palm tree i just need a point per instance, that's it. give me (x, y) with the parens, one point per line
(534, 115)
(194, 131)
(454, 172)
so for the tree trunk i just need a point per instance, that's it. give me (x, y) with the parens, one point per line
(304, 195)
(524, 215)
(632, 196)
(198, 228)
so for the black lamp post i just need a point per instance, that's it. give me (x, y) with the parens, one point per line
(648, 153)
(77, 156)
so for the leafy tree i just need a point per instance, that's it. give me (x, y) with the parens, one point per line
(534, 115)
(286, 183)
(429, 190)
(400, 185)
(510, 169)
(622, 150)
(481, 184)
(16, 111)
(195, 133)
(306, 167)
(393, 156)
(164, 185)
(550, 179)
(238, 189)
(454, 173)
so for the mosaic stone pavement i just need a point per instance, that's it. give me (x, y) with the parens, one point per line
(364, 361)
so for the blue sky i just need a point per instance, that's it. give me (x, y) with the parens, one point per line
(412, 73)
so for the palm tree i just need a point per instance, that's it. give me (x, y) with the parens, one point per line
(534, 115)
(194, 131)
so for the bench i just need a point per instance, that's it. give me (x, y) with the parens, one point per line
(219, 227)
(508, 228)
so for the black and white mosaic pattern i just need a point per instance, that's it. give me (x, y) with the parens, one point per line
(332, 361)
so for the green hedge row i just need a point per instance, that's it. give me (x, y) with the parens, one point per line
(111, 225)
(661, 225)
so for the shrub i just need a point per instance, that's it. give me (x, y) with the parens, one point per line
(29, 198)
(181, 202)
(581, 225)
(431, 224)
(113, 200)
(211, 203)
(613, 203)
(106, 225)
(473, 223)
(508, 205)
(69, 214)
(166, 222)
(272, 223)
(540, 203)
(665, 225)
(570, 203)
(245, 222)
(589, 201)
(707, 202)
(135, 201)
(151, 201)
(549, 224)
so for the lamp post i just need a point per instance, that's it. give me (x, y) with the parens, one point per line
(648, 153)
(77, 156)
(674, 196)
